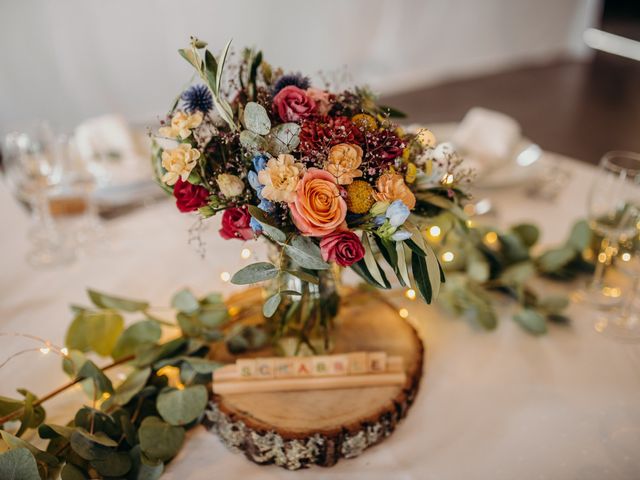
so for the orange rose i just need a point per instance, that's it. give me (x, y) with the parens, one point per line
(318, 209)
(391, 187)
(343, 162)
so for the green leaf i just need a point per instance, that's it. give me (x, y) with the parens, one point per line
(115, 464)
(256, 118)
(361, 269)
(210, 70)
(50, 431)
(580, 236)
(202, 365)
(553, 304)
(159, 352)
(271, 305)
(185, 301)
(97, 331)
(421, 277)
(179, 407)
(553, 260)
(221, 61)
(528, 233)
(513, 248)
(159, 440)
(256, 272)
(71, 472)
(103, 300)
(252, 142)
(131, 386)
(190, 57)
(18, 464)
(517, 274)
(477, 266)
(273, 233)
(403, 271)
(143, 333)
(531, 320)
(304, 252)
(261, 216)
(91, 446)
(370, 261)
(213, 315)
(392, 112)
(9, 405)
(143, 468)
(101, 381)
(283, 138)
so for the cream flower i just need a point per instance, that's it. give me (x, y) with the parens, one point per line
(280, 178)
(181, 125)
(179, 162)
(343, 162)
(230, 185)
(391, 187)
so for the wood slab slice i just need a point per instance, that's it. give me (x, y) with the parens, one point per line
(298, 429)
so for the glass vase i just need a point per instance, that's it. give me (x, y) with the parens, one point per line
(303, 323)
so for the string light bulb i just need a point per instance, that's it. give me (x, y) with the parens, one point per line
(448, 256)
(225, 276)
(403, 312)
(410, 294)
(245, 253)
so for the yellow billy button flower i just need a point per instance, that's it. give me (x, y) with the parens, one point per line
(412, 171)
(426, 138)
(181, 125)
(359, 197)
(178, 163)
(365, 122)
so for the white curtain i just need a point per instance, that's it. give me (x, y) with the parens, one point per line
(67, 60)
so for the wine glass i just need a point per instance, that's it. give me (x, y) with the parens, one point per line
(32, 168)
(614, 213)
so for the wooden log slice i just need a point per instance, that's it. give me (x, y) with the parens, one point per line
(298, 429)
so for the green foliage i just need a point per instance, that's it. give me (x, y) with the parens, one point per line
(18, 464)
(180, 407)
(96, 331)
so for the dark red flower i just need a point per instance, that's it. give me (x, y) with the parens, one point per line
(189, 197)
(382, 147)
(343, 247)
(293, 104)
(235, 224)
(317, 136)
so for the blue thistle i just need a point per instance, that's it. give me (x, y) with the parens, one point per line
(197, 97)
(296, 79)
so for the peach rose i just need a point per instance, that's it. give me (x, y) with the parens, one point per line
(322, 99)
(318, 209)
(391, 187)
(343, 162)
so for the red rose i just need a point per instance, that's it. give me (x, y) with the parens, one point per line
(235, 224)
(189, 197)
(293, 104)
(342, 247)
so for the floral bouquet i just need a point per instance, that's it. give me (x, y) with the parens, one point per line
(325, 176)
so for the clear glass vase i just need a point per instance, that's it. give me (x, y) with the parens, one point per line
(303, 324)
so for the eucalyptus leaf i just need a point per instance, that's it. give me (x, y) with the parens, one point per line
(100, 380)
(115, 464)
(261, 216)
(179, 407)
(283, 138)
(517, 274)
(202, 365)
(18, 464)
(528, 233)
(50, 431)
(184, 301)
(252, 142)
(134, 382)
(305, 253)
(271, 305)
(580, 236)
(256, 272)
(143, 333)
(9, 405)
(159, 440)
(91, 446)
(304, 276)
(555, 259)
(71, 472)
(103, 300)
(531, 320)
(256, 118)
(159, 352)
(97, 331)
(213, 315)
(273, 233)
(142, 468)
(553, 304)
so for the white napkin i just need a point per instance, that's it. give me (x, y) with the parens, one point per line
(486, 138)
(108, 145)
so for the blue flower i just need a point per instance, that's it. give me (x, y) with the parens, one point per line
(259, 162)
(296, 79)
(379, 220)
(255, 184)
(267, 206)
(397, 213)
(255, 225)
(197, 97)
(400, 235)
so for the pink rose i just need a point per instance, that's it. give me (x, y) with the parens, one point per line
(342, 247)
(322, 99)
(189, 197)
(293, 104)
(318, 208)
(235, 224)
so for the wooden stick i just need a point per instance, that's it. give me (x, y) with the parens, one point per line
(309, 383)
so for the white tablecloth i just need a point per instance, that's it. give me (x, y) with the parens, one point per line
(493, 405)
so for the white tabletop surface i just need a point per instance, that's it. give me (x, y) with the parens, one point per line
(492, 405)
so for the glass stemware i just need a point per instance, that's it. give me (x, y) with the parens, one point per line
(614, 213)
(32, 168)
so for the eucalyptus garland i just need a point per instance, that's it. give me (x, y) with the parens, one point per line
(130, 431)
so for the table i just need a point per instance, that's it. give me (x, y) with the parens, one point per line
(493, 405)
